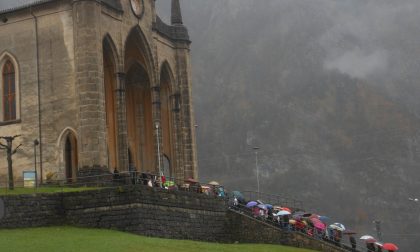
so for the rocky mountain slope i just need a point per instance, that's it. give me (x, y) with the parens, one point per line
(329, 90)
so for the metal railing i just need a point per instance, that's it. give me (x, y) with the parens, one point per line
(310, 232)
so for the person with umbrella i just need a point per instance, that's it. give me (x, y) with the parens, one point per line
(391, 247)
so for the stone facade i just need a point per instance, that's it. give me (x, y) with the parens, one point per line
(94, 79)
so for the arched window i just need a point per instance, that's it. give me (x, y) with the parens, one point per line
(9, 92)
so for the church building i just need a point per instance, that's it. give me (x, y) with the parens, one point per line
(96, 85)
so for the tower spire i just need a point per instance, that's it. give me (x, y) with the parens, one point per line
(176, 16)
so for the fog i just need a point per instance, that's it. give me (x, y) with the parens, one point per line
(328, 89)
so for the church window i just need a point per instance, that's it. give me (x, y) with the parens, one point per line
(9, 92)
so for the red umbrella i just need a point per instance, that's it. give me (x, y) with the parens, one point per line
(285, 209)
(390, 246)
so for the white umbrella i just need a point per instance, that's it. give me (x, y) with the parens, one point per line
(283, 212)
(338, 226)
(214, 183)
(368, 239)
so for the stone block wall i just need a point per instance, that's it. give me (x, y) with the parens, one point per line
(141, 210)
(244, 229)
(31, 211)
(148, 211)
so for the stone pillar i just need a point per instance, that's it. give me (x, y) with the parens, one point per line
(157, 133)
(121, 122)
(93, 155)
(187, 114)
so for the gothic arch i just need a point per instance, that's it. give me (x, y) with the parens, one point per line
(110, 83)
(67, 145)
(4, 58)
(109, 41)
(143, 46)
(138, 62)
(168, 99)
(166, 67)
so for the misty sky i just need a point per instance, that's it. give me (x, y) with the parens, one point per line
(328, 89)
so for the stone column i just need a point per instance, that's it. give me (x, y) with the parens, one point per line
(93, 155)
(187, 113)
(121, 122)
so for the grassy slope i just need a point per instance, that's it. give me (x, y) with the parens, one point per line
(66, 239)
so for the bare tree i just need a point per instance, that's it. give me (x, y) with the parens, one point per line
(10, 152)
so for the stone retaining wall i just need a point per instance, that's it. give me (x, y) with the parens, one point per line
(141, 210)
(31, 210)
(151, 212)
(244, 229)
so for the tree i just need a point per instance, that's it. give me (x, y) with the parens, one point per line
(10, 152)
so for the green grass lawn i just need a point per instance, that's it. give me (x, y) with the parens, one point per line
(66, 239)
(46, 189)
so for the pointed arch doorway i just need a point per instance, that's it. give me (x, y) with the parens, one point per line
(70, 158)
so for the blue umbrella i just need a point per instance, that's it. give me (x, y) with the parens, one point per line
(323, 218)
(269, 206)
(251, 204)
(262, 206)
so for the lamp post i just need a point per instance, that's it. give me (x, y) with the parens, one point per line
(256, 167)
(36, 143)
(158, 147)
(378, 229)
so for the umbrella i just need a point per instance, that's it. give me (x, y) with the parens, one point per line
(285, 209)
(191, 180)
(368, 239)
(214, 183)
(298, 215)
(238, 195)
(251, 204)
(390, 246)
(262, 206)
(318, 224)
(323, 218)
(269, 206)
(282, 212)
(306, 215)
(338, 226)
(292, 222)
(278, 208)
(260, 202)
(312, 216)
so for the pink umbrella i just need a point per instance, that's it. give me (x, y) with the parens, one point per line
(318, 224)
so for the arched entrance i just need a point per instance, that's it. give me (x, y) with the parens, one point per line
(166, 111)
(110, 105)
(70, 158)
(139, 104)
(167, 171)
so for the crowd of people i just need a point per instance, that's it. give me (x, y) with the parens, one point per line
(314, 225)
(288, 218)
